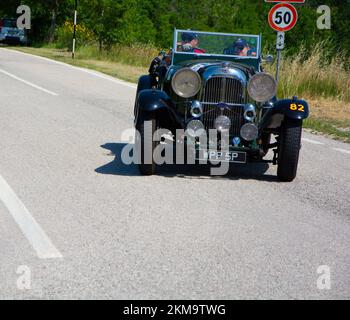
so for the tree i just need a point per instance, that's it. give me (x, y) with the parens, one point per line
(153, 21)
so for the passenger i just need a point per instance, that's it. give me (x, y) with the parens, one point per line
(190, 43)
(241, 48)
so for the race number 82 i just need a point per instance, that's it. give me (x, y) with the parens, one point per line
(297, 107)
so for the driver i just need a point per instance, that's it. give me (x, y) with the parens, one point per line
(190, 43)
(241, 48)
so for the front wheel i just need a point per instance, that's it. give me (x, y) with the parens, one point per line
(146, 144)
(289, 148)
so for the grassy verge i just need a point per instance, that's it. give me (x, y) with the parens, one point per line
(127, 72)
(331, 129)
(326, 87)
(330, 117)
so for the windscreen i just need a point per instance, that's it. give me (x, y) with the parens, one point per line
(217, 44)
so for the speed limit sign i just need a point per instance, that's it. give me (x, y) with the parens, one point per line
(283, 17)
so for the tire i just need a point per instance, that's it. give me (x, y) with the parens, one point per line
(149, 168)
(289, 148)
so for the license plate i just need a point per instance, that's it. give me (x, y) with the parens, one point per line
(222, 156)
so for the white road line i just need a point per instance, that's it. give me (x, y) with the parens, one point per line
(91, 72)
(342, 150)
(312, 141)
(28, 83)
(30, 228)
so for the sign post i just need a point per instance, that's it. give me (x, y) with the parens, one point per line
(75, 28)
(279, 46)
(282, 18)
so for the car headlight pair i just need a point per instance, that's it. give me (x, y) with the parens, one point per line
(186, 83)
(262, 87)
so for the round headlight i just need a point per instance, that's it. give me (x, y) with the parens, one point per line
(195, 128)
(186, 83)
(249, 132)
(222, 123)
(262, 87)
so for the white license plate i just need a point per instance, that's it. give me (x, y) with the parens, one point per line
(222, 156)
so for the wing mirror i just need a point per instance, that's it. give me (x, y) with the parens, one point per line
(162, 54)
(269, 59)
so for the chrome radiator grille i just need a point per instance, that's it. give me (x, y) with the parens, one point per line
(223, 90)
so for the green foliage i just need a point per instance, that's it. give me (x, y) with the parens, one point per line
(152, 21)
(64, 35)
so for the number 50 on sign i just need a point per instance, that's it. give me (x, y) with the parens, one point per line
(283, 17)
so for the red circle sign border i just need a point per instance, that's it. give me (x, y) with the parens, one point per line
(295, 17)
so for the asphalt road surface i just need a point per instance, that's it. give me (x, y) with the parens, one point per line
(77, 223)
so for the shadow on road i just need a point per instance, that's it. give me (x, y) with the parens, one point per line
(254, 171)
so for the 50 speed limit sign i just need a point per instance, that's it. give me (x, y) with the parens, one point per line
(283, 17)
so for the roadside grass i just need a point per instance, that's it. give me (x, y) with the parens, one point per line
(335, 130)
(314, 75)
(128, 72)
(330, 117)
(325, 85)
(135, 55)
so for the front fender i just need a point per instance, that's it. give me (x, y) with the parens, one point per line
(291, 108)
(158, 102)
(152, 100)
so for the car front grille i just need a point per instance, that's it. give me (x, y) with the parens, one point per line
(229, 91)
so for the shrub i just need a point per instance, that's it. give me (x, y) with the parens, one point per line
(64, 35)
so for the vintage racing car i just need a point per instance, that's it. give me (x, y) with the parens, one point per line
(215, 81)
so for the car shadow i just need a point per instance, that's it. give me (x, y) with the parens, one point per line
(254, 171)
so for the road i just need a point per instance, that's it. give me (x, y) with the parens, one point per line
(75, 223)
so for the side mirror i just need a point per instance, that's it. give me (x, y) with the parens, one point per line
(162, 54)
(269, 59)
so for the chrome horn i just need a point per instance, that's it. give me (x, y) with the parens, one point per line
(249, 112)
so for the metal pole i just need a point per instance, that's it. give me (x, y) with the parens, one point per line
(280, 44)
(278, 65)
(75, 28)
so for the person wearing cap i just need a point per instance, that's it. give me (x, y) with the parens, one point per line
(240, 48)
(190, 43)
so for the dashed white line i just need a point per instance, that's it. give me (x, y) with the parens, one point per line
(342, 150)
(312, 141)
(28, 83)
(30, 228)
